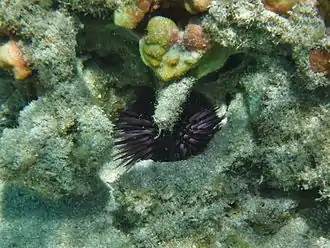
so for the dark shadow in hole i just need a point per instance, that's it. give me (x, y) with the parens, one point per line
(14, 96)
(110, 61)
(235, 64)
(3, 39)
(315, 212)
(176, 12)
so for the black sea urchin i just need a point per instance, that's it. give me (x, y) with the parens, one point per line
(139, 138)
(136, 132)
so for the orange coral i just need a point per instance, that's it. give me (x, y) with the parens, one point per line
(320, 61)
(194, 38)
(11, 57)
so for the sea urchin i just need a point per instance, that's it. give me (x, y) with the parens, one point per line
(139, 138)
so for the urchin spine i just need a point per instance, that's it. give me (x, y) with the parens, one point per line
(169, 103)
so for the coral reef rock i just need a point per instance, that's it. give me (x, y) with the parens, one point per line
(262, 67)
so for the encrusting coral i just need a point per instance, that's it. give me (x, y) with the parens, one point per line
(171, 52)
(12, 57)
(162, 33)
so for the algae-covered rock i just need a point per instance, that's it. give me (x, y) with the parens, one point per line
(49, 39)
(115, 54)
(249, 26)
(267, 216)
(12, 100)
(263, 179)
(170, 102)
(288, 123)
(56, 151)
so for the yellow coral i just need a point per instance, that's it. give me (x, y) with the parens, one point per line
(176, 63)
(170, 52)
(162, 33)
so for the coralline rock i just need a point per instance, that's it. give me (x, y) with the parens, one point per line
(114, 57)
(99, 8)
(256, 184)
(195, 39)
(49, 39)
(71, 112)
(12, 100)
(288, 124)
(169, 103)
(58, 145)
(236, 25)
(153, 193)
(268, 215)
(258, 150)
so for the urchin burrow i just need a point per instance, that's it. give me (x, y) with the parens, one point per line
(139, 136)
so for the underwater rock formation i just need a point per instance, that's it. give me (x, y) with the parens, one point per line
(248, 26)
(261, 181)
(58, 145)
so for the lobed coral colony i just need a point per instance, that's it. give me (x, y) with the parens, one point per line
(203, 123)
